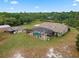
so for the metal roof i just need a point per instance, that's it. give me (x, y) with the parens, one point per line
(4, 26)
(56, 27)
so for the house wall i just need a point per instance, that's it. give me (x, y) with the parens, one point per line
(44, 30)
(59, 34)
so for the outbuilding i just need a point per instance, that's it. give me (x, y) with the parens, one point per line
(4, 28)
(16, 29)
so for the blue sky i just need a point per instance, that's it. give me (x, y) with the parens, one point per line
(38, 5)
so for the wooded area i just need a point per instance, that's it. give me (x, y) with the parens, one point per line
(70, 18)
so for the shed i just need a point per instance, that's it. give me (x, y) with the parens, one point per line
(18, 29)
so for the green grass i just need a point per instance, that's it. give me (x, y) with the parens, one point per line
(22, 40)
(29, 26)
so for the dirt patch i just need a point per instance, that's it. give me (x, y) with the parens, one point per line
(52, 53)
(28, 53)
(4, 37)
(63, 51)
(49, 52)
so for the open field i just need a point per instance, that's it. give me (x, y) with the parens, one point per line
(32, 24)
(28, 46)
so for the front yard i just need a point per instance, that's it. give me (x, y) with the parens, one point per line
(23, 45)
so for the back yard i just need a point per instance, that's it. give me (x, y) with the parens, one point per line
(23, 45)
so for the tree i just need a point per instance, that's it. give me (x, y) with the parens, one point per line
(70, 18)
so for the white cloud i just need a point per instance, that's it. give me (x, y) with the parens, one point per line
(75, 4)
(45, 11)
(11, 8)
(77, 0)
(14, 2)
(36, 7)
(6, 1)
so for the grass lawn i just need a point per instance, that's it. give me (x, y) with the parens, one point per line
(32, 24)
(23, 40)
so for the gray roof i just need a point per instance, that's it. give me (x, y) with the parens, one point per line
(18, 28)
(9, 29)
(4, 26)
(56, 27)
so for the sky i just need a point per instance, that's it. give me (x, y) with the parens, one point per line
(39, 5)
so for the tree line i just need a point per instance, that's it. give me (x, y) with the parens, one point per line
(14, 19)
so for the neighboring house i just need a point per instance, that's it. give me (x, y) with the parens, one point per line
(49, 29)
(4, 28)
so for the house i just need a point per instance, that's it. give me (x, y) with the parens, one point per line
(4, 28)
(49, 29)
